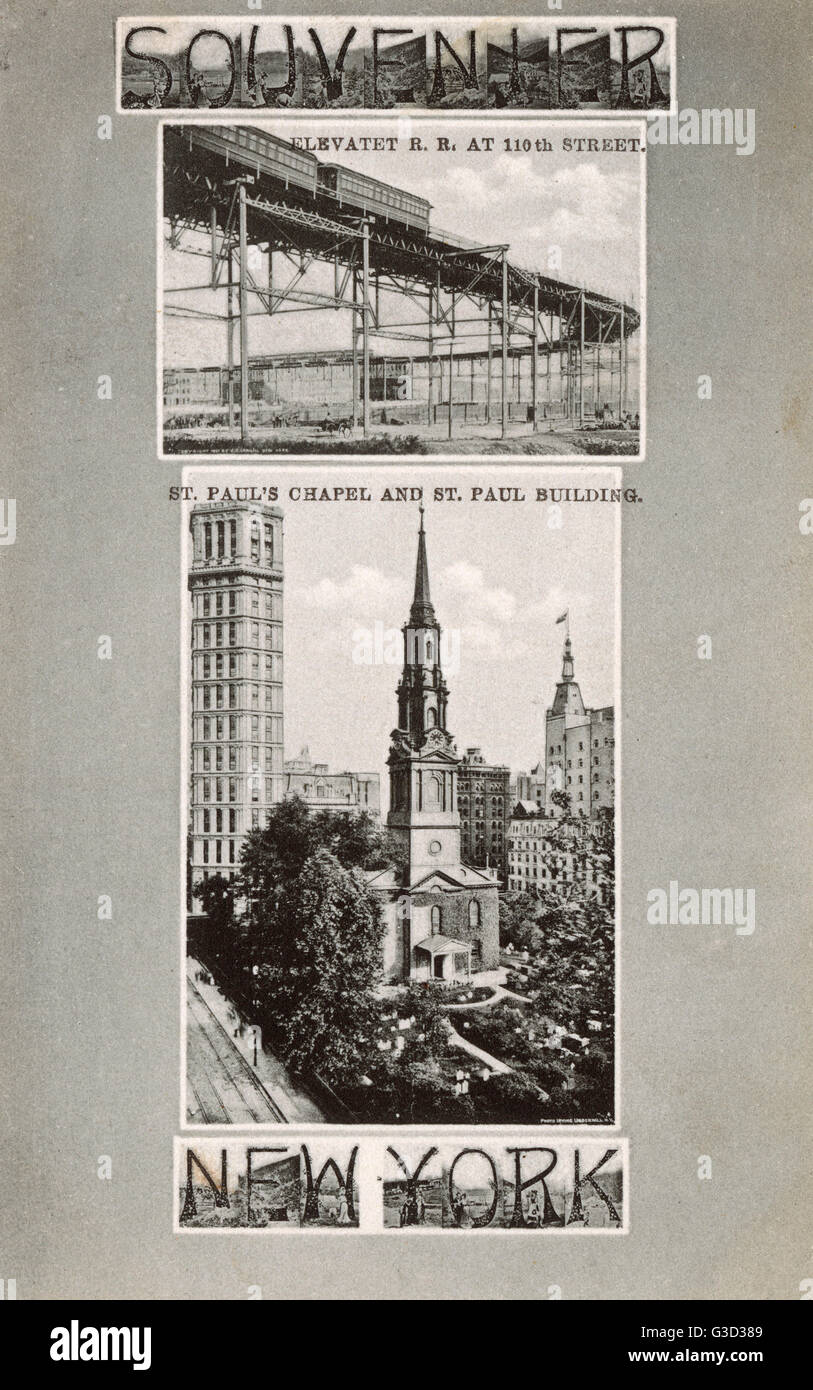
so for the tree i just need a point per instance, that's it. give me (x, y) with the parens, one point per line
(322, 963)
(275, 855)
(430, 1036)
(214, 938)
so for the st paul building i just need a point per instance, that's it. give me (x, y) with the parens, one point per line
(441, 915)
(235, 586)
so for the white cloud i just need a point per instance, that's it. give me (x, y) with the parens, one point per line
(465, 582)
(363, 590)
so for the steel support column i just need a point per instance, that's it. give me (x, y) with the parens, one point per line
(623, 363)
(431, 345)
(230, 340)
(243, 267)
(490, 358)
(504, 416)
(581, 361)
(213, 245)
(451, 365)
(621, 392)
(535, 361)
(355, 351)
(365, 328)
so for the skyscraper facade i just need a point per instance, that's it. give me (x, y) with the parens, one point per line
(235, 584)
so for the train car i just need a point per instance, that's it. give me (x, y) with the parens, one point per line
(364, 194)
(260, 153)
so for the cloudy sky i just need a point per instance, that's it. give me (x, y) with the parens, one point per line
(588, 205)
(499, 579)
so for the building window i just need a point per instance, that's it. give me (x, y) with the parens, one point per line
(474, 913)
(436, 918)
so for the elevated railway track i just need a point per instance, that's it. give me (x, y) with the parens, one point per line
(249, 191)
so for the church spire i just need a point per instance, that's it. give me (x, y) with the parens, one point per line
(422, 613)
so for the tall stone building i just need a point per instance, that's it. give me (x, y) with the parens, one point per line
(543, 852)
(342, 792)
(484, 796)
(579, 756)
(442, 916)
(579, 746)
(547, 854)
(235, 586)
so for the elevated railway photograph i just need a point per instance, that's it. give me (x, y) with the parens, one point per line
(313, 306)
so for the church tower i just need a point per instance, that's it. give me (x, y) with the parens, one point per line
(441, 915)
(423, 759)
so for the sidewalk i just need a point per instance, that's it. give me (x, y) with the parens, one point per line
(493, 1063)
(275, 1077)
(500, 992)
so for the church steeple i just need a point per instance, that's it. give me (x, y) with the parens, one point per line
(422, 691)
(422, 613)
(423, 759)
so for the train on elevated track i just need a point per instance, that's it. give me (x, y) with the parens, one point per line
(269, 157)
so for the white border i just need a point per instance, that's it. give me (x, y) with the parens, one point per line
(326, 1130)
(554, 19)
(364, 459)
